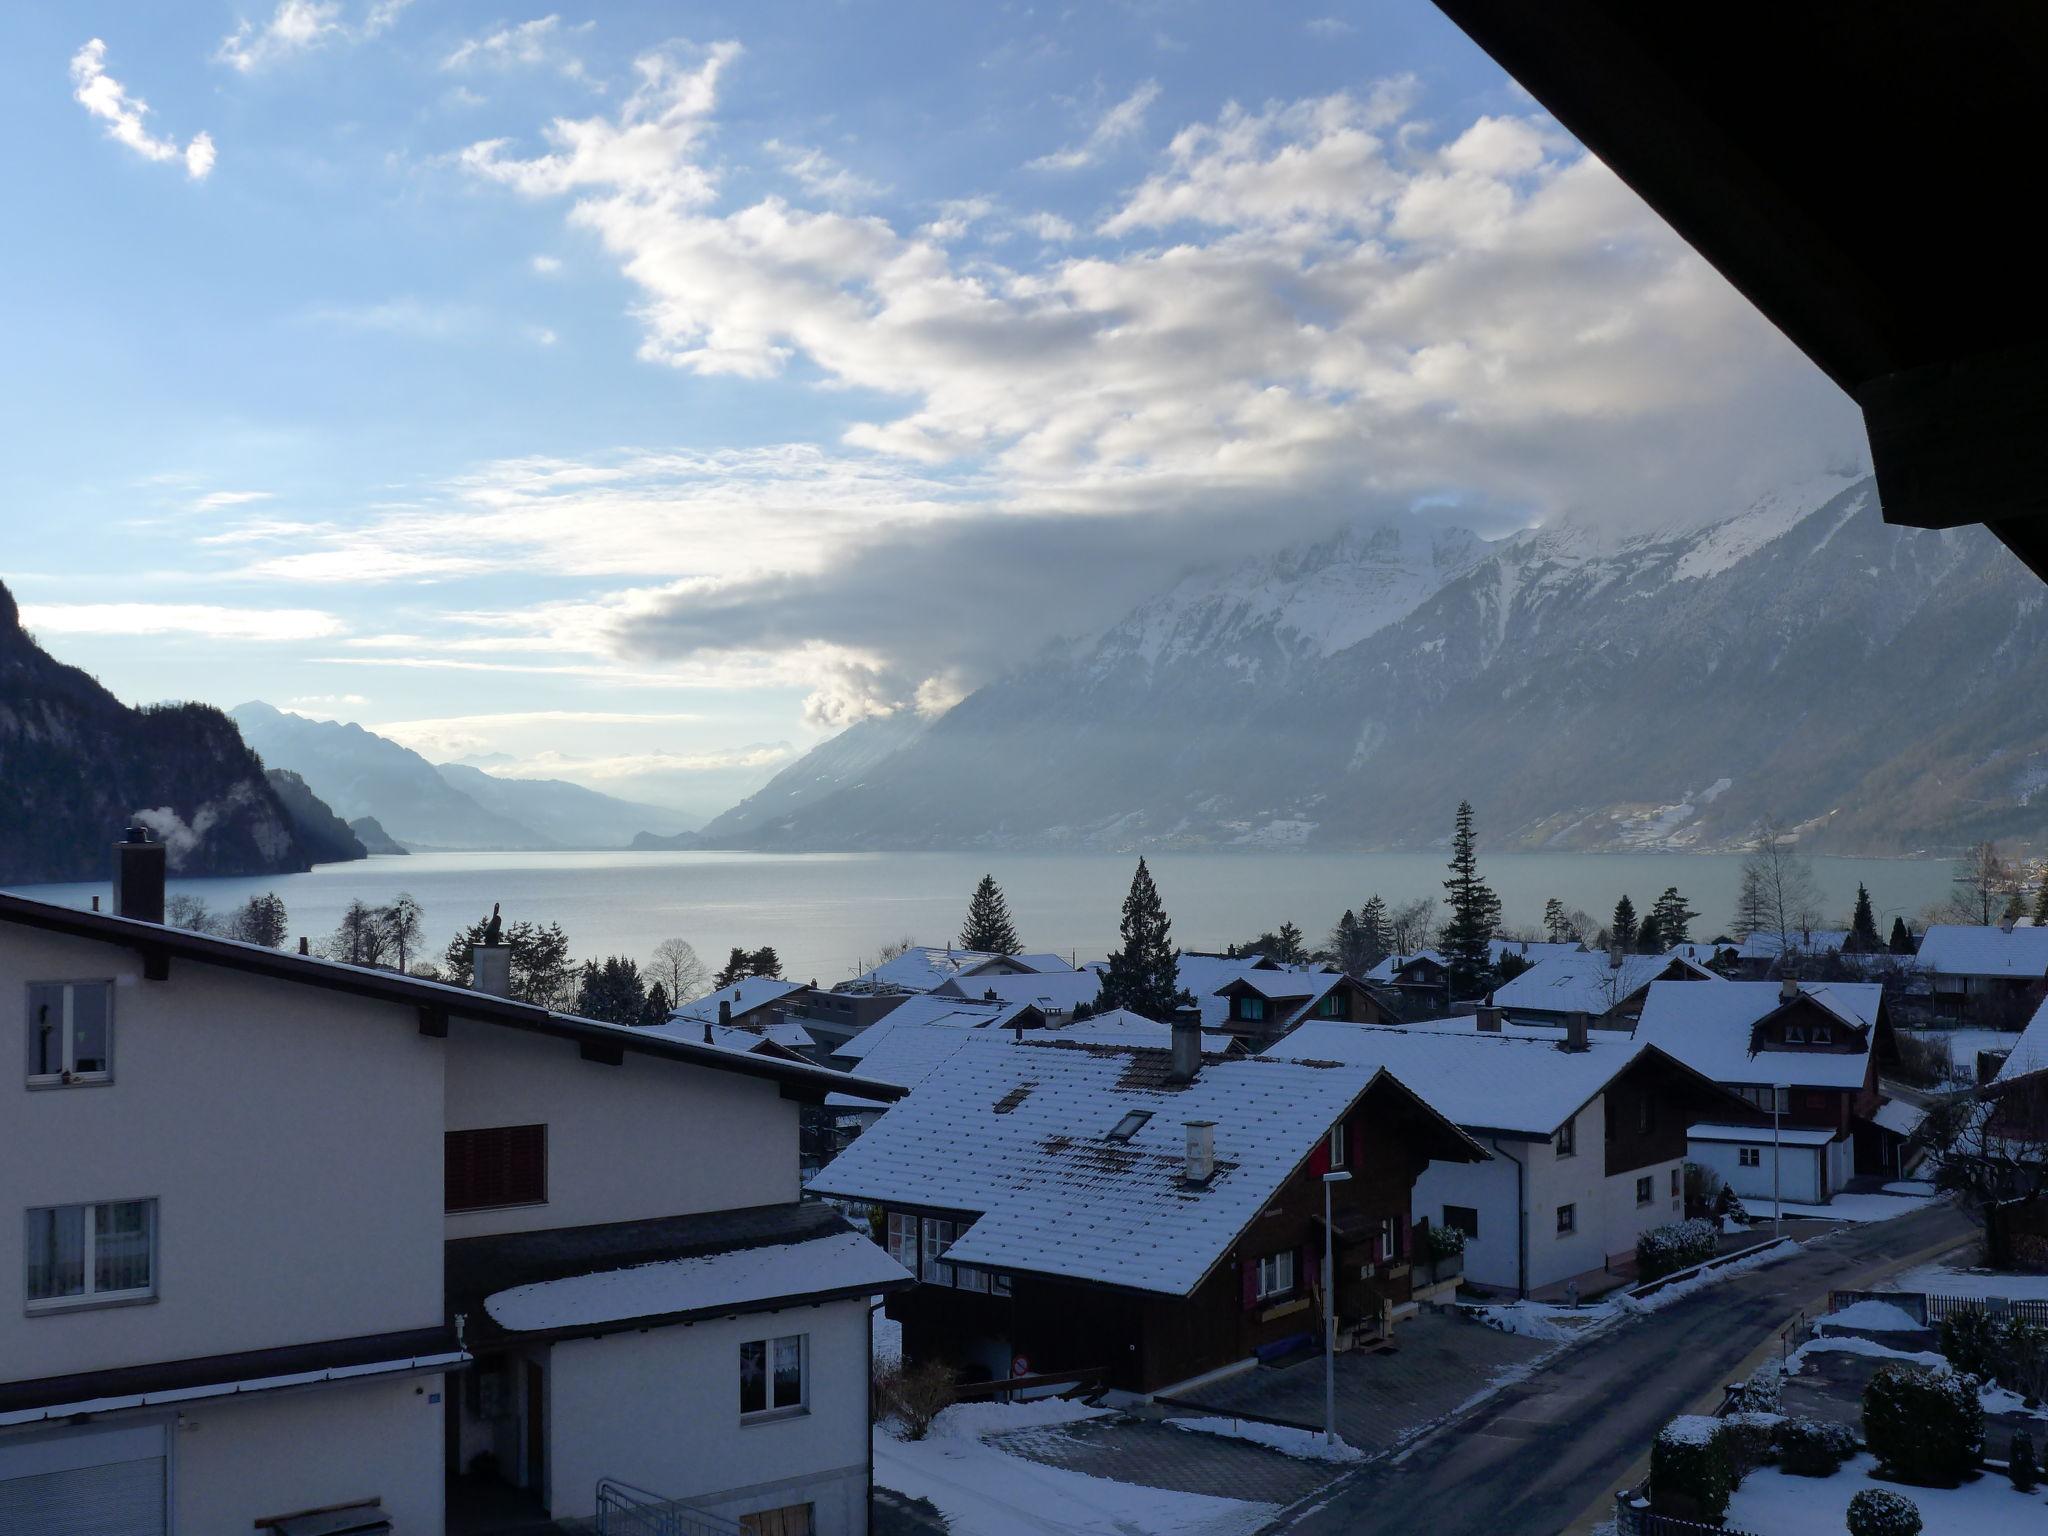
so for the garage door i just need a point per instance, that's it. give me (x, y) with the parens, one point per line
(106, 1484)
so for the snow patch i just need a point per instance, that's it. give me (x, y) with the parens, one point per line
(1872, 1317)
(1305, 1444)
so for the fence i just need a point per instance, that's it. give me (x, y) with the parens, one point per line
(623, 1510)
(1633, 1518)
(1930, 1310)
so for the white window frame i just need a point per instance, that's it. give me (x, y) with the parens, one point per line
(68, 1075)
(939, 1234)
(1276, 1275)
(90, 1296)
(1822, 1035)
(1795, 1034)
(1749, 1157)
(1568, 1219)
(1339, 1153)
(899, 1238)
(1330, 1005)
(774, 1409)
(1251, 1008)
(1568, 1138)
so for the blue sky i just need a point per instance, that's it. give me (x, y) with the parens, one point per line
(637, 394)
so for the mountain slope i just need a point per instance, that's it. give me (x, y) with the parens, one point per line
(569, 814)
(76, 764)
(830, 766)
(326, 838)
(1882, 687)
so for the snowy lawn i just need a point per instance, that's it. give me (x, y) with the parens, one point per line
(984, 1492)
(1774, 1504)
(1850, 1208)
(1997, 1401)
(1936, 1280)
(1304, 1444)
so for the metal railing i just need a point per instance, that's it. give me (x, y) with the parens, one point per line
(623, 1510)
(1631, 1519)
(1931, 1309)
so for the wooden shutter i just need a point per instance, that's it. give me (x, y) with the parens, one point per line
(1248, 1269)
(1319, 1160)
(495, 1166)
(1358, 1143)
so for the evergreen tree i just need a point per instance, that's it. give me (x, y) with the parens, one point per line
(612, 990)
(1375, 935)
(2041, 905)
(989, 929)
(1622, 929)
(1650, 935)
(1902, 938)
(657, 1008)
(1344, 941)
(1287, 945)
(260, 920)
(738, 966)
(1555, 923)
(1863, 937)
(1673, 918)
(542, 972)
(1144, 975)
(765, 962)
(1475, 911)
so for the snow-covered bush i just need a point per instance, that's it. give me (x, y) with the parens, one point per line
(1876, 1512)
(1691, 1474)
(1443, 1243)
(1750, 1440)
(1924, 1426)
(1814, 1447)
(1759, 1394)
(1969, 1337)
(1675, 1245)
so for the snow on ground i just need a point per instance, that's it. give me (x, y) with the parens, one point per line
(1707, 1277)
(1872, 1317)
(1306, 1444)
(1849, 1344)
(982, 1491)
(1771, 1501)
(1537, 1320)
(888, 1338)
(1852, 1207)
(1936, 1280)
(1910, 1187)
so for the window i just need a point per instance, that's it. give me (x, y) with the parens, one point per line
(1643, 1116)
(1331, 1004)
(1276, 1274)
(772, 1376)
(499, 1166)
(70, 1032)
(1462, 1218)
(1749, 1157)
(1568, 1138)
(1567, 1220)
(902, 1239)
(1762, 1097)
(1677, 1183)
(1130, 1125)
(1383, 1245)
(789, 1520)
(1338, 1150)
(1251, 1008)
(1646, 1189)
(1822, 1035)
(1795, 1034)
(79, 1254)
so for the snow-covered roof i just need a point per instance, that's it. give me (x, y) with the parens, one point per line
(1768, 946)
(1754, 1135)
(747, 1277)
(929, 1011)
(1389, 964)
(1059, 992)
(1960, 949)
(901, 1054)
(1899, 1117)
(1039, 964)
(1289, 984)
(1020, 1134)
(1587, 983)
(2029, 1048)
(919, 969)
(1710, 1029)
(1697, 952)
(744, 996)
(1120, 1026)
(1205, 975)
(1532, 950)
(1483, 1082)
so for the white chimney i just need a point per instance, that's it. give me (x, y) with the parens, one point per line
(1788, 989)
(1614, 957)
(490, 969)
(2005, 924)
(1201, 1151)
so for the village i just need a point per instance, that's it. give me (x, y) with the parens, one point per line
(983, 1237)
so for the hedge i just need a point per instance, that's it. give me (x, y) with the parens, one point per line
(1674, 1246)
(1924, 1426)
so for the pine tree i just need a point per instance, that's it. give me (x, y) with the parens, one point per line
(1144, 975)
(765, 962)
(1863, 938)
(2041, 904)
(1344, 943)
(1650, 935)
(1554, 920)
(1902, 938)
(1287, 945)
(1475, 911)
(989, 929)
(1622, 929)
(1375, 937)
(1673, 918)
(738, 966)
(657, 1007)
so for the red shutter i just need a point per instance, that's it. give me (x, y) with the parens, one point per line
(1357, 1144)
(1319, 1160)
(495, 1166)
(1249, 1270)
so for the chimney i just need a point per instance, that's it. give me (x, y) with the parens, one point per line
(2005, 923)
(1488, 1017)
(1575, 1030)
(1614, 957)
(725, 1013)
(139, 876)
(490, 969)
(304, 947)
(1187, 1050)
(1201, 1151)
(1788, 989)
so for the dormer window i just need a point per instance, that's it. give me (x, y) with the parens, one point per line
(1130, 1125)
(1795, 1034)
(1330, 1005)
(70, 1032)
(1252, 1008)
(1822, 1035)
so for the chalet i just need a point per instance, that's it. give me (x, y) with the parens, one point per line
(757, 1005)
(1587, 1132)
(1607, 988)
(305, 1246)
(1422, 979)
(1265, 1005)
(1765, 954)
(1144, 1215)
(1203, 976)
(925, 968)
(1805, 1054)
(1994, 975)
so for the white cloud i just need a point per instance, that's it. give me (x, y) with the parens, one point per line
(207, 620)
(1048, 226)
(1328, 26)
(822, 176)
(547, 266)
(321, 705)
(302, 26)
(1120, 122)
(107, 99)
(214, 499)
(542, 42)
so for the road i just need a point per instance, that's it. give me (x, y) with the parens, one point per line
(1530, 1461)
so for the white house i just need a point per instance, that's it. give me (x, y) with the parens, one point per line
(1588, 1140)
(1053, 993)
(295, 1237)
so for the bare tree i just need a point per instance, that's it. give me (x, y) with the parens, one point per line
(1985, 882)
(676, 966)
(359, 938)
(1412, 925)
(1779, 893)
(896, 950)
(191, 912)
(401, 923)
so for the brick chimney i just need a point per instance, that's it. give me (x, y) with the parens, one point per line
(1575, 1031)
(139, 876)
(1187, 1048)
(1201, 1163)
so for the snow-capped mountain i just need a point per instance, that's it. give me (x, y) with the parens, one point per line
(1882, 688)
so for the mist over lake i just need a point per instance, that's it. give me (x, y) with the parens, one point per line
(828, 913)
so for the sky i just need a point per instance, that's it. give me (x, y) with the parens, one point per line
(639, 394)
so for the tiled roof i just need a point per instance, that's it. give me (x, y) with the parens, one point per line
(1957, 949)
(1709, 1027)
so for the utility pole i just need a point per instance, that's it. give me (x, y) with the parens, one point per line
(1330, 1313)
(1777, 1159)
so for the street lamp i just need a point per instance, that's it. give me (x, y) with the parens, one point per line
(1778, 1093)
(1330, 1313)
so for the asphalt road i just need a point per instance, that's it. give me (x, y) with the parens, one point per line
(1530, 1461)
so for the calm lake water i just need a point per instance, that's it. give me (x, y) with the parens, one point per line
(827, 913)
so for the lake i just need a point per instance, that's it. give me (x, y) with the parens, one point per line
(828, 913)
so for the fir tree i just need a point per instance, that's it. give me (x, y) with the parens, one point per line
(1650, 935)
(1475, 911)
(1622, 929)
(1555, 923)
(765, 962)
(2041, 904)
(1863, 925)
(1673, 918)
(1375, 935)
(1344, 943)
(1902, 938)
(1144, 975)
(1287, 946)
(989, 929)
(738, 966)
(657, 1007)
(611, 989)
(260, 920)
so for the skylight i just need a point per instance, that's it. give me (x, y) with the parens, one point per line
(1130, 1125)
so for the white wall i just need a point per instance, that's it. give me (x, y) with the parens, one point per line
(1489, 1188)
(1800, 1176)
(1625, 1220)
(291, 1138)
(236, 1462)
(661, 1409)
(645, 1139)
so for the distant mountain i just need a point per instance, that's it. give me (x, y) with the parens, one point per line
(832, 765)
(326, 838)
(569, 814)
(76, 764)
(1885, 689)
(371, 834)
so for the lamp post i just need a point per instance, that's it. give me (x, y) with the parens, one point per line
(1778, 1092)
(1330, 1313)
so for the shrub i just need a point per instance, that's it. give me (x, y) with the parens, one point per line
(1923, 1426)
(1691, 1473)
(1703, 1190)
(1760, 1393)
(1750, 1440)
(1674, 1246)
(1814, 1447)
(1444, 1243)
(1925, 1061)
(1874, 1512)
(2020, 1465)
(915, 1394)
(1969, 1339)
